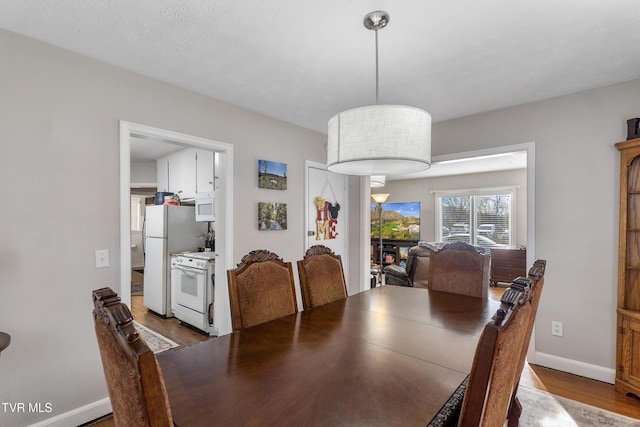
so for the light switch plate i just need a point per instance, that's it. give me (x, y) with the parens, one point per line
(102, 258)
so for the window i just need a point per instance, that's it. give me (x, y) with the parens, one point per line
(137, 213)
(483, 217)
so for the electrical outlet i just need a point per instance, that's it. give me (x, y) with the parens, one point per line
(556, 328)
(102, 258)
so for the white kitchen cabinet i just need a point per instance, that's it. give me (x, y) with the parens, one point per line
(204, 171)
(188, 172)
(183, 165)
(173, 161)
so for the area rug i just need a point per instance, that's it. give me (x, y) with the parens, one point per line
(156, 342)
(137, 282)
(542, 409)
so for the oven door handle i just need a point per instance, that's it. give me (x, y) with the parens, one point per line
(190, 273)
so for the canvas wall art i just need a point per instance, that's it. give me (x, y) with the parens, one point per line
(272, 175)
(272, 216)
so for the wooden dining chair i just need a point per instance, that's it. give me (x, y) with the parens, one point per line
(488, 396)
(134, 380)
(496, 364)
(321, 277)
(261, 289)
(461, 268)
(534, 280)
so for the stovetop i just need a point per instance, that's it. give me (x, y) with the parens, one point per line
(200, 255)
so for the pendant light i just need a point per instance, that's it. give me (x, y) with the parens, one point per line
(379, 139)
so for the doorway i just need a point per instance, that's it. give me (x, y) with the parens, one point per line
(224, 209)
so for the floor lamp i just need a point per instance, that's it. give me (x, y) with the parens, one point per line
(380, 198)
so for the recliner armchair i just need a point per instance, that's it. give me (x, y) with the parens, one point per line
(416, 272)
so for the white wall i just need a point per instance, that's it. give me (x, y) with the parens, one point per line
(59, 139)
(576, 211)
(421, 190)
(60, 169)
(144, 172)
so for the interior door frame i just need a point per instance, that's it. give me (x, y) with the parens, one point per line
(224, 213)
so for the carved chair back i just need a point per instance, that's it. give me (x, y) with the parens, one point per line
(134, 380)
(496, 365)
(321, 277)
(460, 268)
(261, 289)
(534, 280)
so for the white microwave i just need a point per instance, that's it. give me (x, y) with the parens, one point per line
(205, 208)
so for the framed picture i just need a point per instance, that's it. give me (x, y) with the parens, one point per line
(272, 216)
(272, 175)
(404, 252)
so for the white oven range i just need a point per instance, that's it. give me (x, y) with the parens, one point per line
(193, 290)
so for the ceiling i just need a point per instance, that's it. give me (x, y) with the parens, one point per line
(303, 62)
(145, 149)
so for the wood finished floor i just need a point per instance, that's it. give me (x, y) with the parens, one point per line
(171, 328)
(585, 390)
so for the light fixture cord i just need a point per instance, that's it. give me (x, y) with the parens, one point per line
(377, 79)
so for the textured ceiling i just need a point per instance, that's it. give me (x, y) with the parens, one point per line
(304, 61)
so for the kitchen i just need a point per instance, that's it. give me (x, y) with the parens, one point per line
(173, 236)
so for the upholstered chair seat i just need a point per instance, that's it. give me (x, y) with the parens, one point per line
(460, 268)
(261, 289)
(321, 277)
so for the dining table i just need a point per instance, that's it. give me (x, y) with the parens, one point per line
(388, 356)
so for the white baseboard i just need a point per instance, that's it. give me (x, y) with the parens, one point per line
(575, 367)
(78, 416)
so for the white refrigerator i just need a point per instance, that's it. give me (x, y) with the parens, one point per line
(168, 229)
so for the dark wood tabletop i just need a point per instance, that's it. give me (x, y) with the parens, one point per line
(390, 356)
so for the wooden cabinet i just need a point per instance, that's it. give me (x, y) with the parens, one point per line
(507, 264)
(628, 312)
(628, 378)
